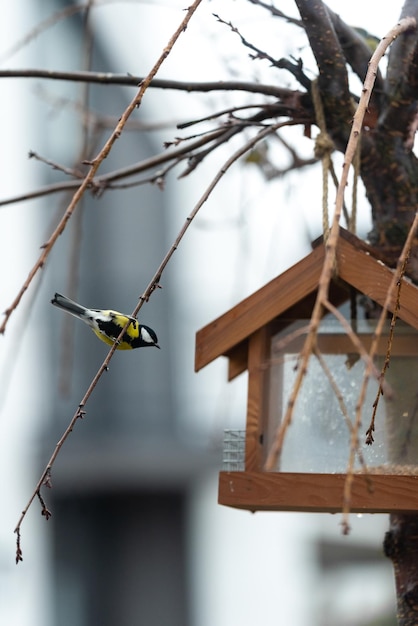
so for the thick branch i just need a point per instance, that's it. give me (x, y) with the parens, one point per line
(356, 50)
(333, 79)
(389, 168)
(402, 81)
(401, 547)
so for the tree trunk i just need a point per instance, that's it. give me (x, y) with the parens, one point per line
(401, 546)
(401, 541)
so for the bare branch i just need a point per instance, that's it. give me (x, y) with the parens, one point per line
(56, 166)
(370, 429)
(276, 12)
(41, 27)
(259, 54)
(343, 408)
(176, 155)
(325, 46)
(152, 286)
(333, 78)
(107, 78)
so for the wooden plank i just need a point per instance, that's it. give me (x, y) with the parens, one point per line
(237, 360)
(238, 355)
(314, 493)
(371, 277)
(404, 343)
(258, 354)
(228, 330)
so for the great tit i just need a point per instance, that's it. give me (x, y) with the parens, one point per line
(107, 325)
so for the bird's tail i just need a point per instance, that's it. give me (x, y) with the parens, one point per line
(62, 302)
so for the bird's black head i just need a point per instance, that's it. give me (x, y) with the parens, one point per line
(147, 337)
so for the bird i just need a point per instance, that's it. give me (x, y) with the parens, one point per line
(107, 325)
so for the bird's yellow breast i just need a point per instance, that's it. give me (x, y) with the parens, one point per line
(122, 346)
(109, 329)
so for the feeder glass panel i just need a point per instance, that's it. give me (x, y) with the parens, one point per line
(320, 435)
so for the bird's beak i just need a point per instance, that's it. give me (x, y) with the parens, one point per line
(157, 346)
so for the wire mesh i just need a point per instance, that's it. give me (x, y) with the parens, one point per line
(233, 459)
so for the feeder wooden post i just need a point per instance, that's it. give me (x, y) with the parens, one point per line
(258, 356)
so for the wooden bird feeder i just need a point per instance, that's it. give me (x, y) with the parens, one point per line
(310, 474)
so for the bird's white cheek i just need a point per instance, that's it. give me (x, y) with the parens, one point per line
(146, 336)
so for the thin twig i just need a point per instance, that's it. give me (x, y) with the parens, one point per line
(157, 178)
(259, 54)
(341, 403)
(359, 347)
(276, 12)
(56, 166)
(280, 344)
(230, 111)
(107, 78)
(98, 120)
(177, 155)
(51, 20)
(102, 182)
(370, 430)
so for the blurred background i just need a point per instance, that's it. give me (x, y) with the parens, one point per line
(136, 534)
